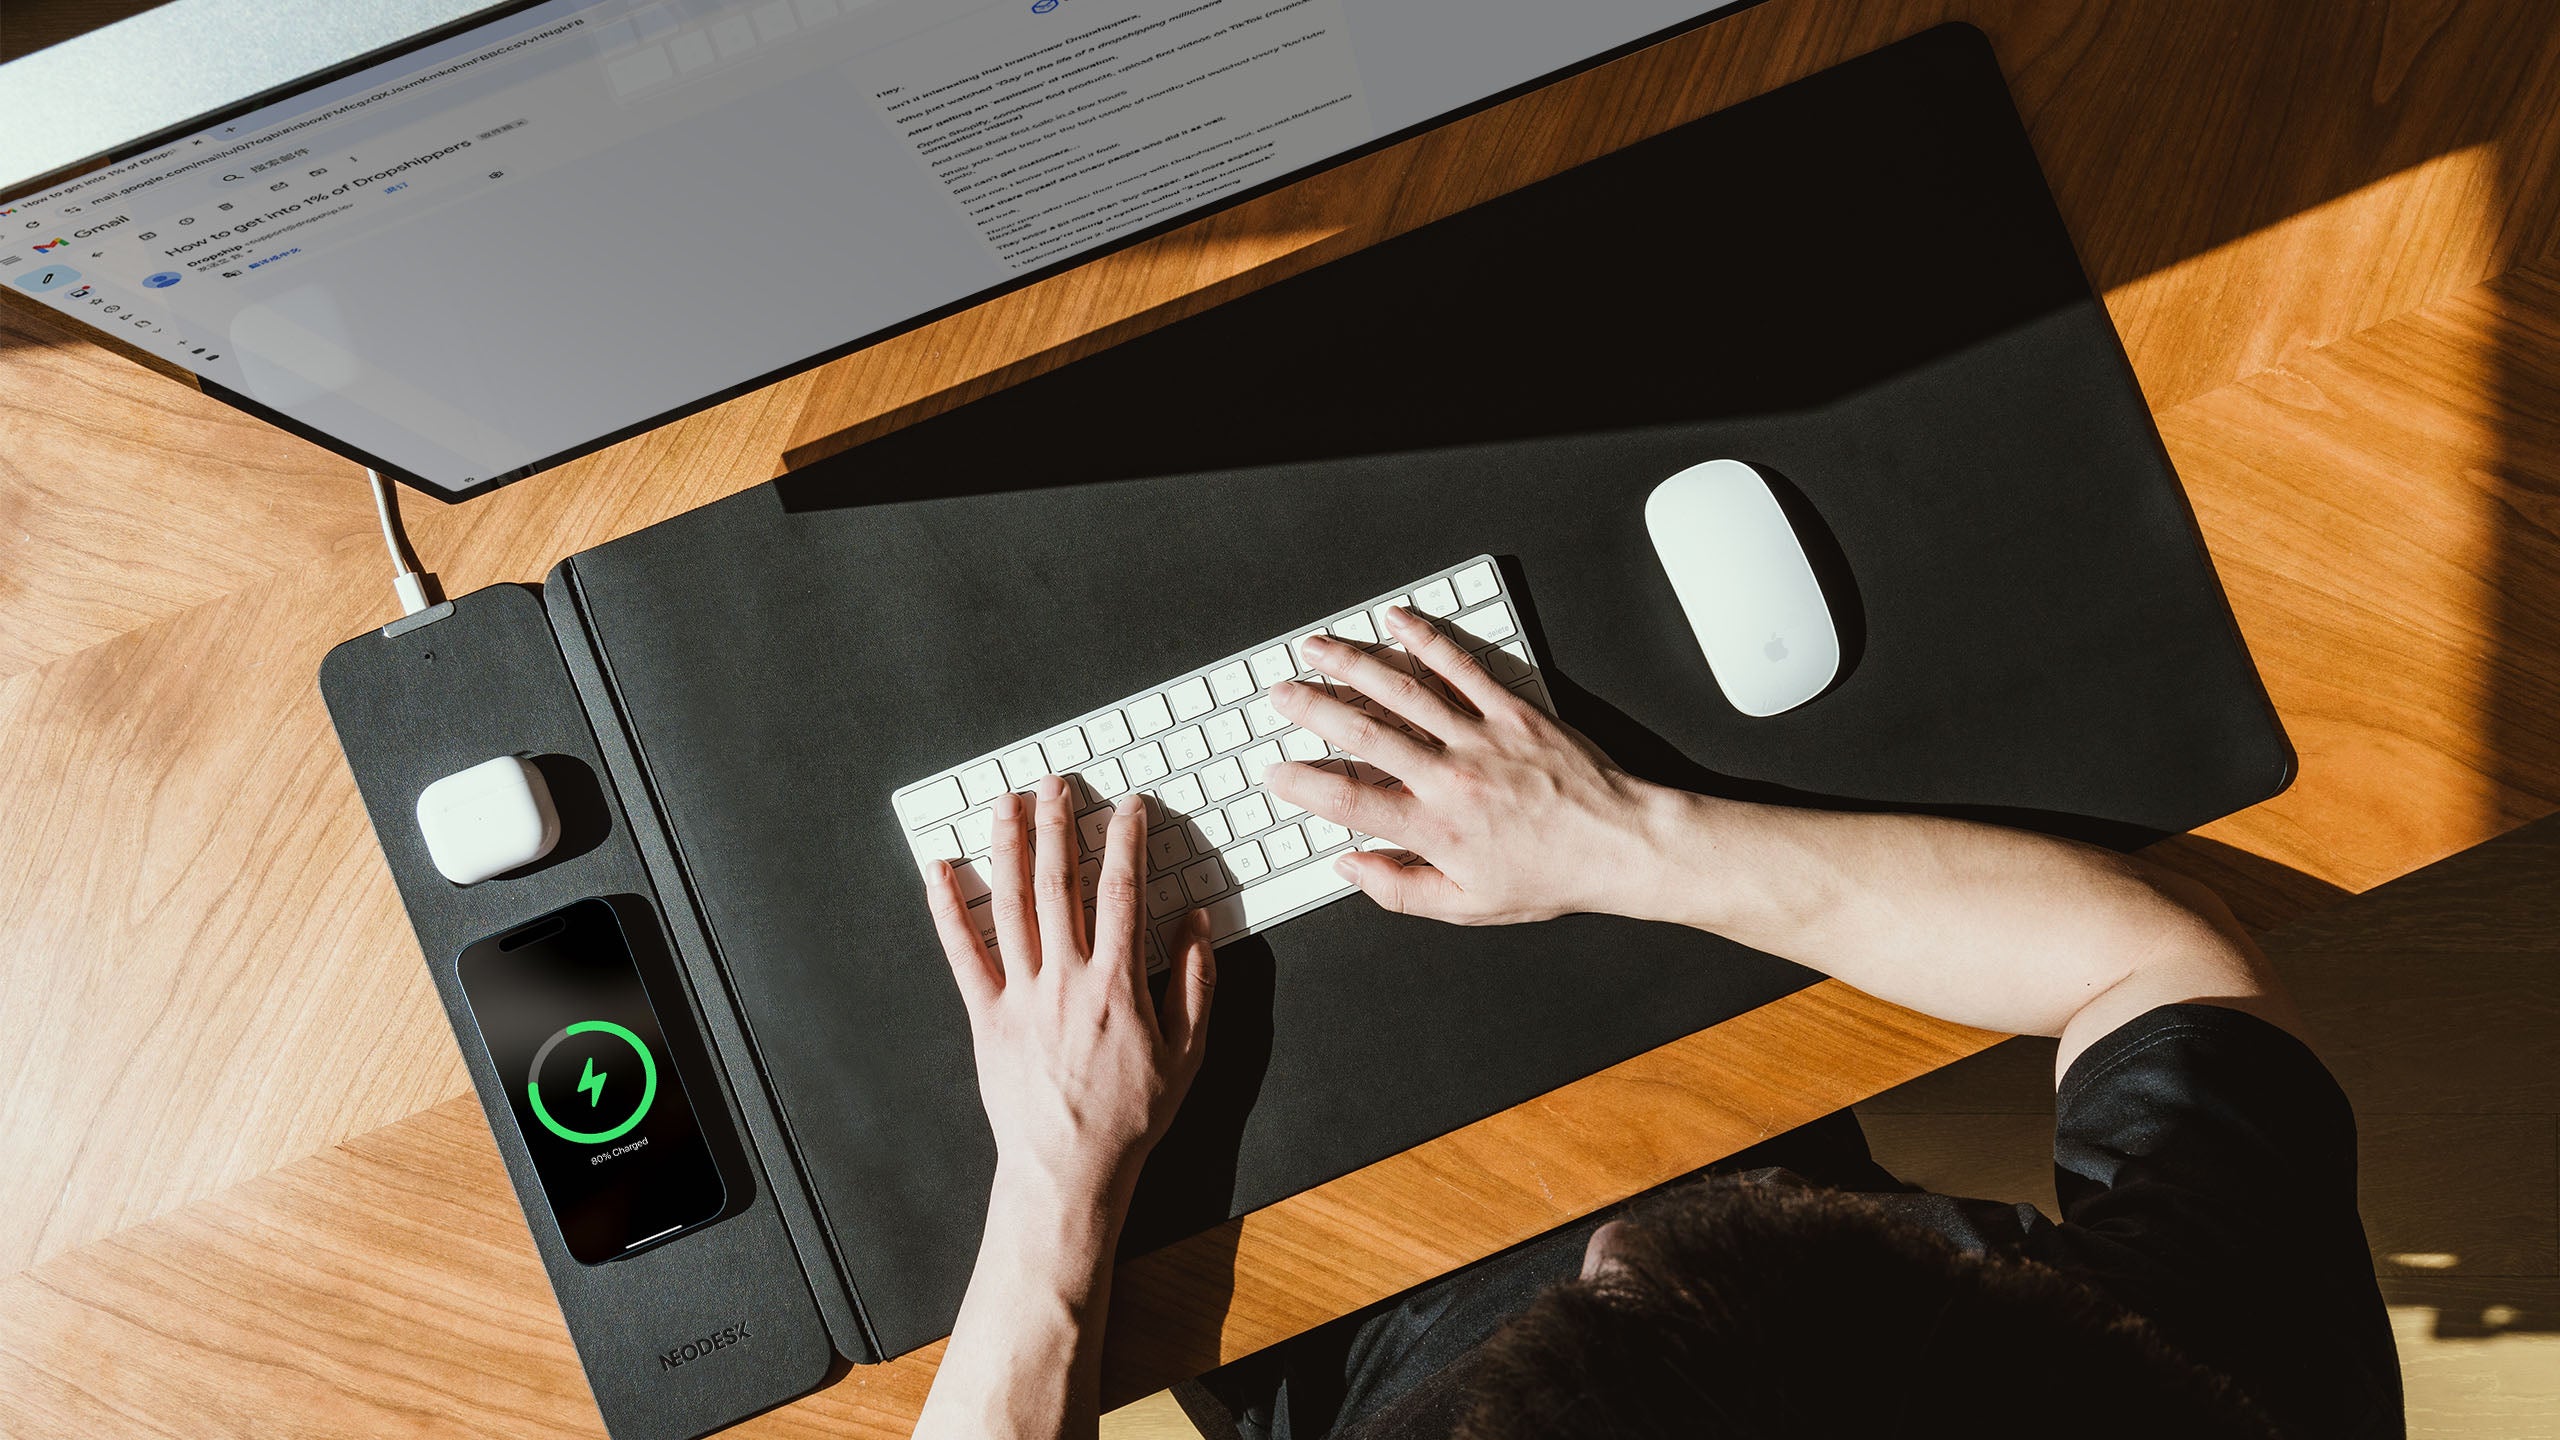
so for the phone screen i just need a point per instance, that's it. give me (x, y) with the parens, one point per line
(600, 1102)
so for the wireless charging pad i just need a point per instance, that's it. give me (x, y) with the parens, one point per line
(719, 1322)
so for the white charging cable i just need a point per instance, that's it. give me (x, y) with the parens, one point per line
(411, 585)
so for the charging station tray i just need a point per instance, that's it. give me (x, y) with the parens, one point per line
(712, 1326)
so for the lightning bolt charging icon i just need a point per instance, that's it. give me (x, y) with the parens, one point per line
(591, 1082)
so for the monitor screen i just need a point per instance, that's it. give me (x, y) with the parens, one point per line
(518, 242)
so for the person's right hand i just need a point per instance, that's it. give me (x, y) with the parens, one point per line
(1517, 816)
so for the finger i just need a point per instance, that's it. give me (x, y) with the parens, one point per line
(1187, 997)
(1009, 876)
(1354, 730)
(1053, 871)
(979, 978)
(1117, 900)
(1366, 672)
(1368, 809)
(1408, 889)
(1449, 660)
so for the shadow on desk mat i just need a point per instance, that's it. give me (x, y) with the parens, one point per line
(1859, 282)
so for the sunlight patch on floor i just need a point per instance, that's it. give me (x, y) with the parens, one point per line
(2504, 1383)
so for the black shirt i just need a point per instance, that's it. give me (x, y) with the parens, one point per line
(2205, 1161)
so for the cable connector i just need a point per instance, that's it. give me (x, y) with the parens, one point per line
(406, 581)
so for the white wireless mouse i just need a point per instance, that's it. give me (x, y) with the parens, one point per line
(1743, 581)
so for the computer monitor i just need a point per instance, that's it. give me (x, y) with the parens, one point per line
(509, 244)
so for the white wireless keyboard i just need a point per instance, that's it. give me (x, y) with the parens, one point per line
(1197, 746)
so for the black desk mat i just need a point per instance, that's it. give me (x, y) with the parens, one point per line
(1858, 282)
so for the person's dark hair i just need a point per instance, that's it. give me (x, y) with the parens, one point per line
(1747, 1308)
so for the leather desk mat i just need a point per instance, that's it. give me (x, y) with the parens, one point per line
(1858, 282)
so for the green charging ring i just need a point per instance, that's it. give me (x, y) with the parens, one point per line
(648, 1084)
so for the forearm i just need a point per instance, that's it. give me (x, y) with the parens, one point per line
(1970, 922)
(1025, 1358)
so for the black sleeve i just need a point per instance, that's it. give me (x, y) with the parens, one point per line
(2206, 1164)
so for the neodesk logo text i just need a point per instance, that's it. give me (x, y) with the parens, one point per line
(693, 1350)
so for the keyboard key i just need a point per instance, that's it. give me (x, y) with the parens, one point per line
(1191, 699)
(1095, 827)
(972, 878)
(1107, 732)
(1508, 662)
(1272, 666)
(1278, 896)
(982, 918)
(1224, 780)
(1355, 627)
(1478, 628)
(1105, 780)
(1303, 745)
(1476, 583)
(1166, 848)
(938, 843)
(1204, 878)
(977, 831)
(1284, 809)
(1244, 861)
(1209, 831)
(1263, 716)
(1066, 749)
(983, 781)
(1250, 815)
(1181, 795)
(1024, 767)
(1325, 835)
(1263, 756)
(1298, 647)
(1227, 730)
(1186, 747)
(938, 801)
(1164, 896)
(1145, 764)
(1286, 846)
(1089, 884)
(1436, 599)
(1231, 682)
(1151, 716)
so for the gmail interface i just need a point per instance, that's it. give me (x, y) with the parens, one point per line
(505, 246)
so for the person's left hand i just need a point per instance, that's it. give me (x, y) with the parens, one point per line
(1079, 1073)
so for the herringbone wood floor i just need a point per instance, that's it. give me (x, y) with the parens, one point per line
(2326, 229)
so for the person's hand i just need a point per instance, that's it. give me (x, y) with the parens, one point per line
(1079, 1073)
(1516, 816)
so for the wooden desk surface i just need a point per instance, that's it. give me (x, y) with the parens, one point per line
(2329, 233)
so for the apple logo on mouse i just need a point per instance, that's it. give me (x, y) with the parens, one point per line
(1745, 586)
